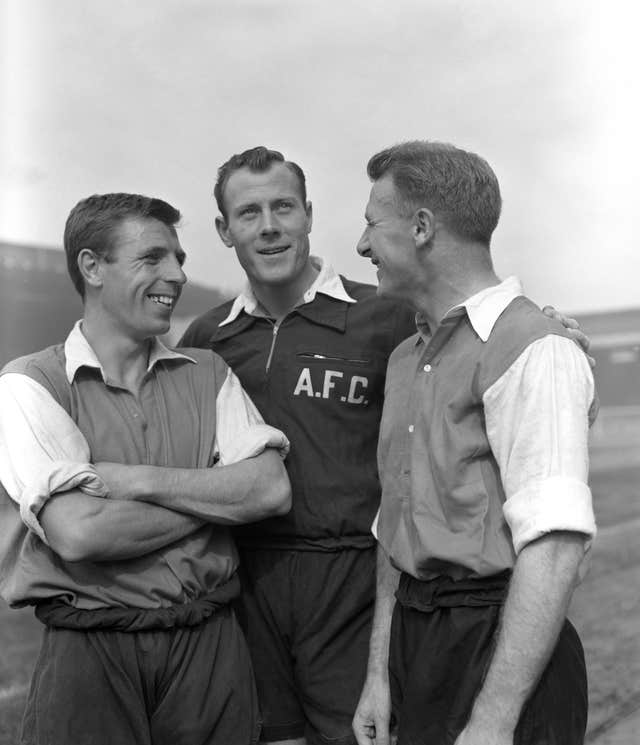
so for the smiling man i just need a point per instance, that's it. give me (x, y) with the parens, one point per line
(129, 561)
(486, 514)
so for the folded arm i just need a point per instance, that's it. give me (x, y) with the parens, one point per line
(252, 489)
(83, 528)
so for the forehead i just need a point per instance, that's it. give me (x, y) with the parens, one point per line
(245, 185)
(383, 198)
(134, 235)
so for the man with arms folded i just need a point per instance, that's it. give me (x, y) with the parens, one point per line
(130, 563)
(311, 348)
(485, 514)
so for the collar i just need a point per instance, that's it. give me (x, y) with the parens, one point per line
(78, 353)
(327, 282)
(484, 308)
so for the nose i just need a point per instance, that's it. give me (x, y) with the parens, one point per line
(270, 226)
(363, 247)
(175, 272)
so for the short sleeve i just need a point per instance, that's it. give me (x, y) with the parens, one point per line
(537, 418)
(240, 430)
(42, 451)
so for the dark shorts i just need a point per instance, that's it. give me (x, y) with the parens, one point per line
(189, 685)
(307, 617)
(442, 638)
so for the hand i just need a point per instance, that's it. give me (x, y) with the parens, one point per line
(573, 327)
(373, 713)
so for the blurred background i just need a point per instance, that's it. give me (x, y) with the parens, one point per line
(154, 96)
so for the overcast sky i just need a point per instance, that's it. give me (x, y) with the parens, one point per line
(153, 96)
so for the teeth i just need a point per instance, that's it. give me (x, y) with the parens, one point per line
(162, 299)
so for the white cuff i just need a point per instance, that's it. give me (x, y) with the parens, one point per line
(60, 476)
(253, 441)
(556, 503)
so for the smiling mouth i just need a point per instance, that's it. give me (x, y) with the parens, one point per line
(273, 250)
(168, 301)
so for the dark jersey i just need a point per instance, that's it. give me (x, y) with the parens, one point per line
(318, 376)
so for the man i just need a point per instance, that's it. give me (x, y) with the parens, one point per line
(141, 645)
(486, 514)
(311, 349)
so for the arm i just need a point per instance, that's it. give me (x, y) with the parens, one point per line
(545, 569)
(250, 483)
(253, 489)
(83, 528)
(537, 423)
(373, 713)
(44, 468)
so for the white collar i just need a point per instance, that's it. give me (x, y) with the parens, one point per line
(327, 282)
(485, 307)
(78, 353)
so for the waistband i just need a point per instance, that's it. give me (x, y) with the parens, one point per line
(59, 614)
(444, 592)
(300, 543)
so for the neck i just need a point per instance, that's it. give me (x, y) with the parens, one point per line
(280, 299)
(454, 277)
(124, 360)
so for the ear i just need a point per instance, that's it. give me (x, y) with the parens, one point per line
(309, 210)
(223, 232)
(423, 227)
(89, 266)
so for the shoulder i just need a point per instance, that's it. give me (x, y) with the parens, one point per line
(391, 314)
(200, 330)
(520, 325)
(522, 322)
(46, 367)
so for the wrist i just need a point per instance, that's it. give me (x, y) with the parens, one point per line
(496, 724)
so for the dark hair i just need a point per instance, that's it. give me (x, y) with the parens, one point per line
(257, 159)
(459, 187)
(91, 223)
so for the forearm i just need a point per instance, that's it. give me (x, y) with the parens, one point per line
(535, 609)
(249, 490)
(373, 713)
(386, 584)
(82, 528)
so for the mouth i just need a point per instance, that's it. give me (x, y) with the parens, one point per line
(167, 301)
(273, 250)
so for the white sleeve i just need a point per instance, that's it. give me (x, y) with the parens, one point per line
(42, 451)
(240, 430)
(537, 418)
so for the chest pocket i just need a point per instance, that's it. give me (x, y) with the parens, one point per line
(349, 379)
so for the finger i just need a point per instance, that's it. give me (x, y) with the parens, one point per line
(583, 340)
(382, 731)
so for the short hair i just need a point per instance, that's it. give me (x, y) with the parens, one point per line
(92, 221)
(256, 159)
(458, 186)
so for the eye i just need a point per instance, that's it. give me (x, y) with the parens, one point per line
(284, 205)
(249, 212)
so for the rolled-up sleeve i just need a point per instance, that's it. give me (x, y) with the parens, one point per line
(42, 451)
(240, 430)
(537, 419)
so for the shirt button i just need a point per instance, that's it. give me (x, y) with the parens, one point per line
(427, 368)
(411, 428)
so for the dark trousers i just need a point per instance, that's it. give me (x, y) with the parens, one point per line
(442, 641)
